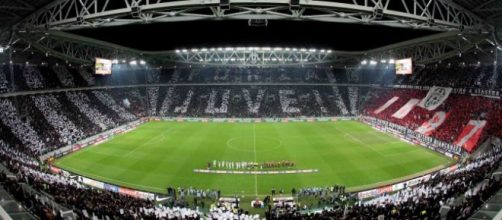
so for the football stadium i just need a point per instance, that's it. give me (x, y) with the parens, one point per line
(250, 109)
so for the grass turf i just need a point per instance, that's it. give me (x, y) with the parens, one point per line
(161, 154)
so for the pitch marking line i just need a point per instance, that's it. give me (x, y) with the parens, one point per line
(360, 142)
(369, 146)
(153, 140)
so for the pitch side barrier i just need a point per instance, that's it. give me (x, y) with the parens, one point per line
(488, 93)
(255, 120)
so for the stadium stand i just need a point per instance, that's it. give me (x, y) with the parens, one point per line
(461, 109)
(34, 124)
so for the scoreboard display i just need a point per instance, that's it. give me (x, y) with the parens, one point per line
(404, 66)
(103, 66)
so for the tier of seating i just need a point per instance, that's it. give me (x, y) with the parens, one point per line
(460, 109)
(31, 125)
(44, 122)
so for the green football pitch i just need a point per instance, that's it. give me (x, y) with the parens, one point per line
(160, 154)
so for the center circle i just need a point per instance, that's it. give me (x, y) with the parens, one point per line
(252, 144)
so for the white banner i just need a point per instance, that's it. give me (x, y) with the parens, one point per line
(470, 135)
(430, 125)
(403, 111)
(435, 97)
(386, 105)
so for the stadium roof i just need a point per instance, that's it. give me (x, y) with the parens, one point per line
(490, 10)
(171, 36)
(12, 11)
(384, 24)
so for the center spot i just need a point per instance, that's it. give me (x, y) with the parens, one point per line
(248, 143)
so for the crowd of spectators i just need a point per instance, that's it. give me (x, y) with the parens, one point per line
(32, 77)
(44, 122)
(39, 123)
(91, 203)
(50, 107)
(21, 129)
(252, 101)
(4, 83)
(64, 76)
(109, 102)
(457, 76)
(421, 201)
(83, 103)
(460, 109)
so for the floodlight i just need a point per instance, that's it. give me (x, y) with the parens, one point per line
(142, 62)
(133, 62)
(364, 62)
(392, 61)
(372, 62)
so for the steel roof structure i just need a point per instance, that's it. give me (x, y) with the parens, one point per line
(464, 25)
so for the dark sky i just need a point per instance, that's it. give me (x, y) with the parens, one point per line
(169, 36)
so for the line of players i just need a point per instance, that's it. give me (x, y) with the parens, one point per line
(249, 165)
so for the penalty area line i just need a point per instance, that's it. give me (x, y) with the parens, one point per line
(153, 140)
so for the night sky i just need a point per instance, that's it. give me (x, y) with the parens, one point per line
(197, 34)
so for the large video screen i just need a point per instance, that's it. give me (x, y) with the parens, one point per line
(404, 66)
(103, 66)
